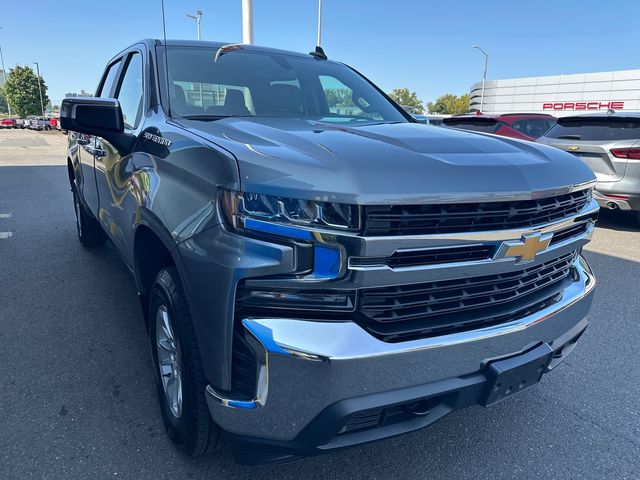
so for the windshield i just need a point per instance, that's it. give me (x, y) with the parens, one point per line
(263, 84)
(596, 128)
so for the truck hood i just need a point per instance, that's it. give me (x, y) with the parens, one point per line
(393, 163)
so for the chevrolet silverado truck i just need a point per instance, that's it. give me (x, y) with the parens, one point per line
(316, 269)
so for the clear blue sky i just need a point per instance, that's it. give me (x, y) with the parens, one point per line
(420, 44)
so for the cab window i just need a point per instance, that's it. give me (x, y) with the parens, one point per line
(130, 94)
(106, 86)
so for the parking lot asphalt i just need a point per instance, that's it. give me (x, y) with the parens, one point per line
(77, 399)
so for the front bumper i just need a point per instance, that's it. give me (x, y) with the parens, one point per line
(316, 375)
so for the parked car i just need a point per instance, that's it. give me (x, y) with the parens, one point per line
(39, 123)
(28, 121)
(35, 122)
(609, 143)
(20, 123)
(314, 280)
(524, 126)
(533, 125)
(8, 123)
(430, 119)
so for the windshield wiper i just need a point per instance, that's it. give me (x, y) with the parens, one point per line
(570, 137)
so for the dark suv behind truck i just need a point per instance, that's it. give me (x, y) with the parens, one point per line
(316, 269)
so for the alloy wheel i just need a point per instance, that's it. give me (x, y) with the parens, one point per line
(169, 361)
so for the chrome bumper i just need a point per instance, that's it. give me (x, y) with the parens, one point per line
(306, 365)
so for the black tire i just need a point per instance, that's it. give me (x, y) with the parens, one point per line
(193, 431)
(90, 232)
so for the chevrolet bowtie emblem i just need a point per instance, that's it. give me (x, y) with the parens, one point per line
(573, 148)
(526, 249)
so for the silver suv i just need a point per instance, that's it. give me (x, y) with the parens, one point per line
(610, 145)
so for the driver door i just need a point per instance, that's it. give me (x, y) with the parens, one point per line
(114, 169)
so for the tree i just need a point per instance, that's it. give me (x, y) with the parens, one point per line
(451, 104)
(402, 96)
(23, 91)
(3, 101)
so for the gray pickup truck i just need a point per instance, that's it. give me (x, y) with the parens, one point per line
(316, 269)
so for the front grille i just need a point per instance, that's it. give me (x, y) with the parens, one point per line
(569, 232)
(435, 256)
(403, 312)
(428, 409)
(469, 217)
(361, 421)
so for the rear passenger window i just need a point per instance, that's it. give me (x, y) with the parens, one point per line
(109, 78)
(130, 93)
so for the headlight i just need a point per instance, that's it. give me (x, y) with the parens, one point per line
(238, 206)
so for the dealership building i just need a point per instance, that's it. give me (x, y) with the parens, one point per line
(560, 95)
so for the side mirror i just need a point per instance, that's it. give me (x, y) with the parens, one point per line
(94, 116)
(101, 117)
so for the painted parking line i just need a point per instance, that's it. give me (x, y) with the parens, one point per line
(5, 235)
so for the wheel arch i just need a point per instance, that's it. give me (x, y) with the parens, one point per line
(151, 253)
(154, 249)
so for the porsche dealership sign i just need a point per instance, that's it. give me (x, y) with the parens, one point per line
(583, 106)
(560, 95)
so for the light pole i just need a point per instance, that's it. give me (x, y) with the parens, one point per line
(484, 76)
(197, 18)
(247, 22)
(4, 75)
(39, 87)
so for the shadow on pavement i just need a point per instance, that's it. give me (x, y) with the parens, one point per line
(619, 220)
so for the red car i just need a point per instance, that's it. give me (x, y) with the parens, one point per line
(524, 126)
(8, 123)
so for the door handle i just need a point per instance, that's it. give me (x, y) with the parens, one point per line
(98, 152)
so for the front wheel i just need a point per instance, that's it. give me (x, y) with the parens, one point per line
(180, 380)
